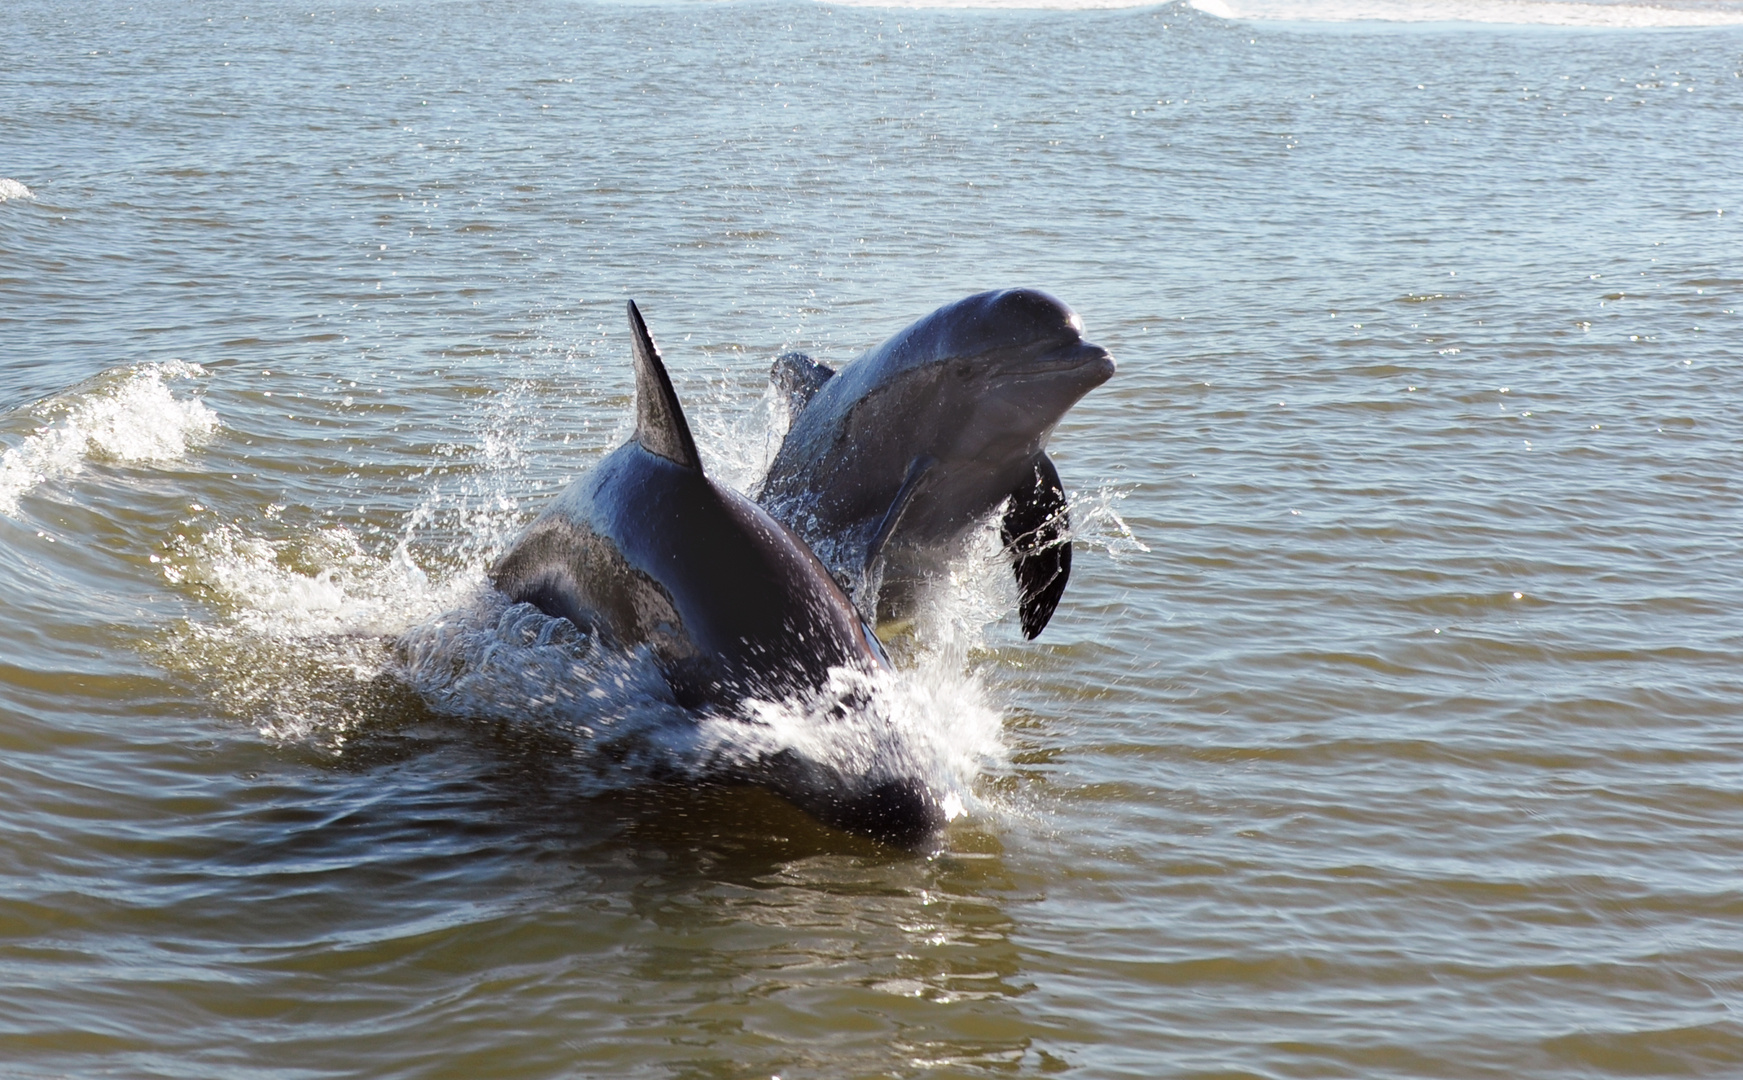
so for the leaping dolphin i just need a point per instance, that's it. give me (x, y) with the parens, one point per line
(646, 550)
(891, 462)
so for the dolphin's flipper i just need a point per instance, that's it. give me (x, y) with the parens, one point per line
(898, 506)
(799, 377)
(1035, 531)
(659, 420)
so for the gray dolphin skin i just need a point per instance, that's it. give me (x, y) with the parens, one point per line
(645, 549)
(891, 462)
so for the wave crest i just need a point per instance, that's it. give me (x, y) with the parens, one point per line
(128, 416)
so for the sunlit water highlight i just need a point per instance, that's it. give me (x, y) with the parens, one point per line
(1388, 728)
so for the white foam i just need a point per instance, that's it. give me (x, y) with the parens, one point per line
(128, 416)
(1004, 5)
(929, 722)
(12, 189)
(348, 592)
(494, 660)
(1516, 12)
(305, 625)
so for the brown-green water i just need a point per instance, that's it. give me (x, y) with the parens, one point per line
(1389, 728)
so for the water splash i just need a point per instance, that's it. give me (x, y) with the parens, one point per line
(494, 660)
(738, 445)
(12, 189)
(322, 583)
(321, 637)
(303, 645)
(129, 415)
(478, 515)
(1096, 523)
(306, 625)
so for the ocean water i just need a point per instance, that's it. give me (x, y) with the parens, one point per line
(1389, 726)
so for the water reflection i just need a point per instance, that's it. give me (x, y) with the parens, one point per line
(746, 934)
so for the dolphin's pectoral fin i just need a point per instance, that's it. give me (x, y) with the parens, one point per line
(867, 589)
(799, 377)
(898, 506)
(1036, 530)
(660, 426)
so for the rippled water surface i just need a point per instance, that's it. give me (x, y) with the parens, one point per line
(1389, 727)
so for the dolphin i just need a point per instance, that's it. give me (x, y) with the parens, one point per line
(890, 463)
(645, 550)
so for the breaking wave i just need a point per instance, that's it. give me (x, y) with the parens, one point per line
(130, 416)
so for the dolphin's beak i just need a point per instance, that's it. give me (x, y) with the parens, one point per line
(1099, 363)
(1082, 362)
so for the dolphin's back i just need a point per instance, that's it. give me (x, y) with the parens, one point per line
(645, 551)
(642, 551)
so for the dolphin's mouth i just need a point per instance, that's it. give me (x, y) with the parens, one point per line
(1091, 363)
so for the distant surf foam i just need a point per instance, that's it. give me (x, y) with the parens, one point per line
(12, 189)
(1516, 12)
(1617, 14)
(1006, 5)
(128, 415)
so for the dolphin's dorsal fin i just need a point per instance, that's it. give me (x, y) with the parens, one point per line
(1036, 530)
(659, 420)
(799, 377)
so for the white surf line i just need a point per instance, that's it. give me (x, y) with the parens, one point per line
(1499, 12)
